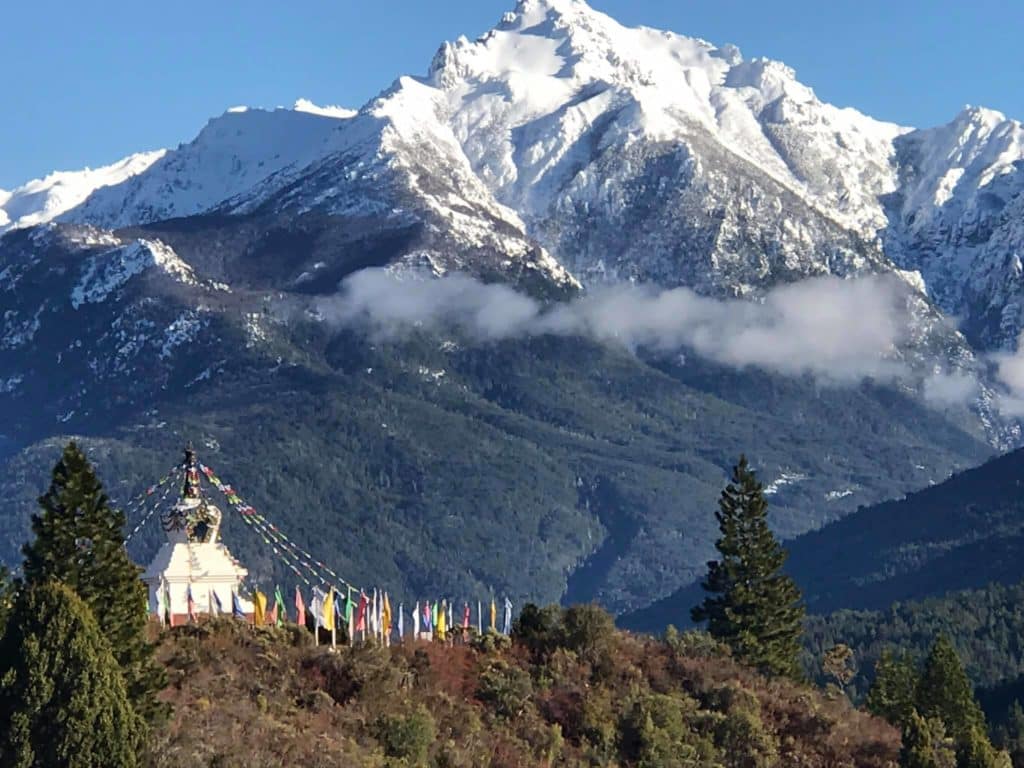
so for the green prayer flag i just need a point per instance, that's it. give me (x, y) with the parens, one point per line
(281, 611)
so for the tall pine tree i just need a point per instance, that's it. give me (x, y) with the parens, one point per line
(944, 692)
(63, 702)
(894, 691)
(752, 606)
(924, 744)
(79, 541)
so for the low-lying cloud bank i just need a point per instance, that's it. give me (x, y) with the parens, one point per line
(837, 330)
(1010, 372)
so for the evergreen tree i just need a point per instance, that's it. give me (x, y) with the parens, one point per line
(79, 541)
(924, 744)
(752, 607)
(975, 751)
(1012, 733)
(894, 690)
(6, 596)
(63, 701)
(944, 692)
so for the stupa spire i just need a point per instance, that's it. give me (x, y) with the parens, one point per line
(191, 489)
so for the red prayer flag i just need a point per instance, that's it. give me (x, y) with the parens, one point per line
(272, 616)
(465, 617)
(300, 609)
(361, 611)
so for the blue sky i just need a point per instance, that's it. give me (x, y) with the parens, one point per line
(85, 87)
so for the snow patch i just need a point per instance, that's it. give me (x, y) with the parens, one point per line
(106, 272)
(182, 331)
(330, 110)
(10, 384)
(841, 494)
(784, 479)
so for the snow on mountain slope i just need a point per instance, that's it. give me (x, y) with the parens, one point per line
(233, 153)
(41, 200)
(629, 154)
(396, 161)
(556, 82)
(958, 217)
(328, 110)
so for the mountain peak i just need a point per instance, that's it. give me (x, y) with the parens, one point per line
(40, 200)
(981, 116)
(536, 11)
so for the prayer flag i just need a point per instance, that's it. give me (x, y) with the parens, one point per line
(479, 618)
(427, 624)
(300, 608)
(494, 616)
(386, 617)
(280, 612)
(168, 611)
(216, 602)
(441, 621)
(416, 621)
(339, 610)
(508, 617)
(465, 616)
(373, 614)
(328, 610)
(317, 605)
(159, 607)
(361, 612)
(236, 606)
(259, 609)
(191, 604)
(401, 621)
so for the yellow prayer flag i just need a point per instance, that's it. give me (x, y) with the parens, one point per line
(259, 609)
(386, 614)
(442, 618)
(327, 620)
(494, 616)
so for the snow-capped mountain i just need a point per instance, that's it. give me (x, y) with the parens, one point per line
(562, 148)
(558, 151)
(42, 200)
(628, 154)
(957, 216)
(232, 154)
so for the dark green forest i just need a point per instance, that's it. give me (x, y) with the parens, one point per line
(546, 469)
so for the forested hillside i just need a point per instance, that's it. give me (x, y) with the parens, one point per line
(963, 533)
(545, 469)
(986, 626)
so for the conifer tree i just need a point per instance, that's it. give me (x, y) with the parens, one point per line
(63, 702)
(6, 596)
(944, 692)
(752, 606)
(79, 541)
(976, 751)
(894, 691)
(1013, 734)
(924, 744)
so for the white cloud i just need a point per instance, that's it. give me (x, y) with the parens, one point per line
(953, 388)
(837, 330)
(1010, 372)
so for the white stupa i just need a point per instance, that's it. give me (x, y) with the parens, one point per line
(193, 556)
